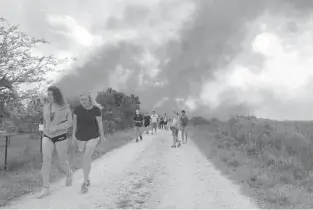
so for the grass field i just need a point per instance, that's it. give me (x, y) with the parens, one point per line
(24, 163)
(271, 160)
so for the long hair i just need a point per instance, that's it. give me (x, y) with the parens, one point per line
(92, 99)
(57, 95)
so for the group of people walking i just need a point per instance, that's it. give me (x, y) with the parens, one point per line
(86, 121)
(87, 132)
(179, 122)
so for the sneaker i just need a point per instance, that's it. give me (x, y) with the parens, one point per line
(69, 179)
(44, 192)
(140, 137)
(179, 144)
(173, 146)
(87, 183)
(84, 188)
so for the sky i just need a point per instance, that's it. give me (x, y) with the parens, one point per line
(212, 58)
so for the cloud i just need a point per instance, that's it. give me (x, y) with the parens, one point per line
(282, 81)
(218, 57)
(160, 103)
(72, 30)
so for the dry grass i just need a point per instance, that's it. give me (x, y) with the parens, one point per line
(21, 150)
(271, 160)
(24, 163)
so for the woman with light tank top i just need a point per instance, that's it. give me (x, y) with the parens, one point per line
(174, 126)
(154, 122)
(57, 117)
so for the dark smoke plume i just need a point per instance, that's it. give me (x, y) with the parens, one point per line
(210, 40)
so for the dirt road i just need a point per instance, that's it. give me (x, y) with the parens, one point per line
(148, 174)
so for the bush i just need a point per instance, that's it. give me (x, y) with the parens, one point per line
(280, 152)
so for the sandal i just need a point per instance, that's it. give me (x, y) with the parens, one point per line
(69, 179)
(44, 192)
(84, 188)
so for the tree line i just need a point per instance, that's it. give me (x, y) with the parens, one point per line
(21, 110)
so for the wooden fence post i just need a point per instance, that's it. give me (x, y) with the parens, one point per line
(6, 153)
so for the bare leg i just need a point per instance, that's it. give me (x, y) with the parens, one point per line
(47, 151)
(61, 148)
(140, 132)
(174, 138)
(137, 133)
(186, 131)
(89, 150)
(183, 134)
(177, 139)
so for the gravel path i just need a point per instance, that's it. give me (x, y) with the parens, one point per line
(147, 174)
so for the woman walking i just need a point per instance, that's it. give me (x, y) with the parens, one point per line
(165, 121)
(138, 121)
(183, 126)
(162, 123)
(57, 117)
(154, 122)
(175, 128)
(87, 132)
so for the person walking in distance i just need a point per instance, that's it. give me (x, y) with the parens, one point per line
(154, 122)
(165, 121)
(162, 123)
(183, 126)
(138, 120)
(57, 119)
(87, 132)
(175, 128)
(147, 119)
(159, 122)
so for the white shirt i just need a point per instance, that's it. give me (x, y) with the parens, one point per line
(174, 122)
(154, 118)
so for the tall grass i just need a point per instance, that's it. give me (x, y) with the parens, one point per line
(273, 159)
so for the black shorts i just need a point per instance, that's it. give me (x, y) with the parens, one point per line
(165, 123)
(57, 138)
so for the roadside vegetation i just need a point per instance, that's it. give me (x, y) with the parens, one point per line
(271, 160)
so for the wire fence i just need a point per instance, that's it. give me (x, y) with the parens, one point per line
(22, 143)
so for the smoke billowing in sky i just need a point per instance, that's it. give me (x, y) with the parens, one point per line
(214, 58)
